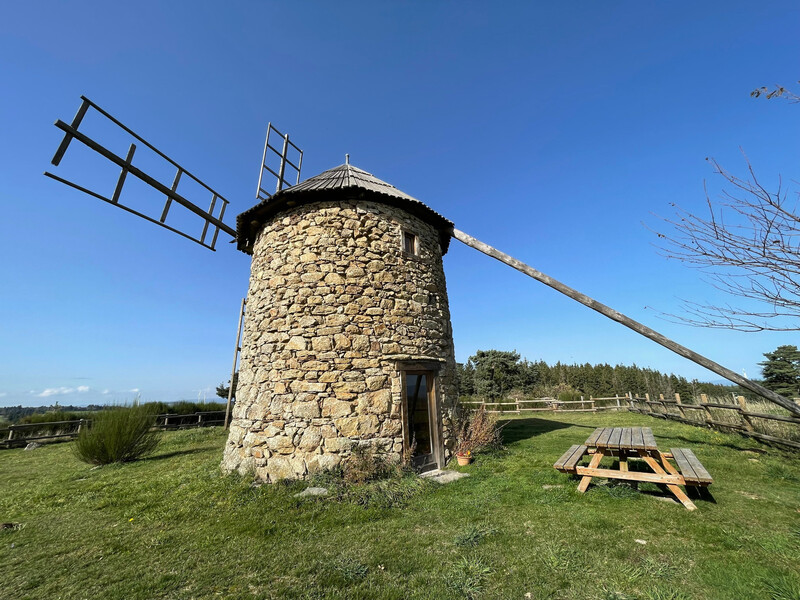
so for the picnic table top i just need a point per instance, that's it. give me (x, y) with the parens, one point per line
(622, 438)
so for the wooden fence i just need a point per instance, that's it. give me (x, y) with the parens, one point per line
(699, 413)
(14, 435)
(743, 421)
(553, 404)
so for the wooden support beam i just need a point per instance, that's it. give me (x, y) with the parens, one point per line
(680, 407)
(709, 418)
(612, 314)
(745, 418)
(587, 479)
(672, 487)
(589, 472)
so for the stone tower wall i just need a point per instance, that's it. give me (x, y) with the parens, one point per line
(334, 306)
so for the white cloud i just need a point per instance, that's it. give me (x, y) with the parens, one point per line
(104, 392)
(62, 391)
(134, 391)
(3, 394)
(54, 392)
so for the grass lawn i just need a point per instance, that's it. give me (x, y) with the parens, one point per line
(172, 527)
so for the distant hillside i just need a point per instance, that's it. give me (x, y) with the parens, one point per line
(15, 414)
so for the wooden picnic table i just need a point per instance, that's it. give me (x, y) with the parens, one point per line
(624, 443)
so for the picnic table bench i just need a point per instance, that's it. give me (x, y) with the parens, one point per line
(638, 443)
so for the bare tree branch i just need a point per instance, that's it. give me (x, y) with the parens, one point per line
(778, 92)
(748, 246)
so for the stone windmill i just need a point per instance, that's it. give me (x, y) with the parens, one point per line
(347, 335)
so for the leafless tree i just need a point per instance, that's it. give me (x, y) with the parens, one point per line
(747, 245)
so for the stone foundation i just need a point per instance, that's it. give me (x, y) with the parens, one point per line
(335, 308)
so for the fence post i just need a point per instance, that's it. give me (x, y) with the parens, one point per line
(616, 397)
(647, 408)
(678, 403)
(10, 433)
(591, 404)
(706, 410)
(199, 419)
(80, 424)
(748, 424)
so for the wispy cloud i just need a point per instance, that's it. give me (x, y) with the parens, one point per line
(134, 391)
(3, 394)
(62, 391)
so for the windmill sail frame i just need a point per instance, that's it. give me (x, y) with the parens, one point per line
(261, 193)
(71, 131)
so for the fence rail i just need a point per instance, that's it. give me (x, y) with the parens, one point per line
(553, 404)
(747, 422)
(71, 429)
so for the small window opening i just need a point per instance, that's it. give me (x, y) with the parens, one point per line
(409, 243)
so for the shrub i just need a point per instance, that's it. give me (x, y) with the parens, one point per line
(364, 465)
(185, 407)
(119, 434)
(48, 417)
(475, 430)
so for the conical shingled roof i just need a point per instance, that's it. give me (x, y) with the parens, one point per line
(344, 182)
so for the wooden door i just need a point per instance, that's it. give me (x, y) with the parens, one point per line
(420, 419)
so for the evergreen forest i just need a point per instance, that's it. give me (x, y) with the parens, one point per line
(494, 374)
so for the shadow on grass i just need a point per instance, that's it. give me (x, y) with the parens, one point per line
(656, 490)
(746, 441)
(745, 445)
(515, 430)
(182, 452)
(700, 493)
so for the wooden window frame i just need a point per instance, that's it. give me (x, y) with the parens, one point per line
(403, 234)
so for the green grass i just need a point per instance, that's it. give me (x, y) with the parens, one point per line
(170, 526)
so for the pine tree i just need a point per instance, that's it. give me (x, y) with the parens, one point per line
(782, 371)
(223, 389)
(496, 372)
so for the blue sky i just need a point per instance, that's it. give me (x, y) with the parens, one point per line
(553, 131)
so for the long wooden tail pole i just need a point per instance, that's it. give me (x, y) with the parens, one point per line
(628, 322)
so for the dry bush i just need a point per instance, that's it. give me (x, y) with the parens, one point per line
(365, 465)
(475, 429)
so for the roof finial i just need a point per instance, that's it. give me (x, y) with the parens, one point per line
(347, 159)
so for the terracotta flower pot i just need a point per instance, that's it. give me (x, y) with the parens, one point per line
(463, 459)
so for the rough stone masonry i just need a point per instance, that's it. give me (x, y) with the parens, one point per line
(335, 306)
